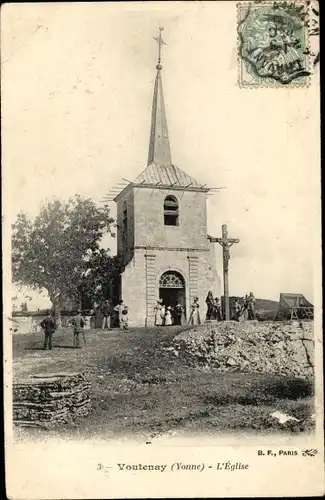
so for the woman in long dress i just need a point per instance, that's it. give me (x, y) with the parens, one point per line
(168, 317)
(244, 312)
(158, 318)
(218, 313)
(195, 314)
(210, 302)
(162, 314)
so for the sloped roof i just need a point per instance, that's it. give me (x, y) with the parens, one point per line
(166, 175)
(293, 300)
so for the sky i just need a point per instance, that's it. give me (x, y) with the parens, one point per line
(77, 83)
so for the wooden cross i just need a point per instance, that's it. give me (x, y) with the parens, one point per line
(226, 243)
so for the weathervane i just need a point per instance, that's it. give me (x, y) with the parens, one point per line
(160, 42)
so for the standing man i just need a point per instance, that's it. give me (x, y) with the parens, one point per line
(251, 306)
(106, 312)
(78, 324)
(49, 326)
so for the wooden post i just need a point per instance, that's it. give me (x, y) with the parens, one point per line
(226, 243)
(225, 259)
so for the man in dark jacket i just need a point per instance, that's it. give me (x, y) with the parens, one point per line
(106, 312)
(78, 324)
(49, 326)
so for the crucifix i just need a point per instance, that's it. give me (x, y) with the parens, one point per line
(226, 243)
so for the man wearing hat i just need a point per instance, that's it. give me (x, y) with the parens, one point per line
(78, 324)
(49, 326)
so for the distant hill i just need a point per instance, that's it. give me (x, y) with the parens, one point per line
(265, 309)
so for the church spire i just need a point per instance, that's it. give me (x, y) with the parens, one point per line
(159, 149)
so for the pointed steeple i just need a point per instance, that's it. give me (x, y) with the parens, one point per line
(159, 148)
(160, 173)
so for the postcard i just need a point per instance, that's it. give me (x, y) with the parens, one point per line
(162, 249)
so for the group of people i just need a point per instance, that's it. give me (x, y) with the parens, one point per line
(246, 309)
(107, 311)
(164, 316)
(78, 322)
(49, 325)
(169, 315)
(213, 307)
(175, 315)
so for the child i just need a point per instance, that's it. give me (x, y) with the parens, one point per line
(124, 318)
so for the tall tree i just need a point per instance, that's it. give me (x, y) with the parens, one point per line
(53, 250)
(101, 268)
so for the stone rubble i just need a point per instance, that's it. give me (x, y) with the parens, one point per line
(283, 348)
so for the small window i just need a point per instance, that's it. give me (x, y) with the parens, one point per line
(171, 211)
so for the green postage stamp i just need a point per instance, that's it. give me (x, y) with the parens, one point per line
(273, 44)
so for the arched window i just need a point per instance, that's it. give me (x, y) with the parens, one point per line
(171, 211)
(171, 279)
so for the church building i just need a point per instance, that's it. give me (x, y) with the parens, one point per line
(162, 230)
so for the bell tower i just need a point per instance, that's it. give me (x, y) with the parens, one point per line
(162, 225)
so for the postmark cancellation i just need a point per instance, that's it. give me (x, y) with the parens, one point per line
(273, 44)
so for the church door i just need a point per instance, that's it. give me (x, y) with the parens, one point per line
(172, 289)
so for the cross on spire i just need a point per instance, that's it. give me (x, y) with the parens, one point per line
(159, 148)
(160, 41)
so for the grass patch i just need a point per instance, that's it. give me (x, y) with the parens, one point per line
(263, 389)
(139, 388)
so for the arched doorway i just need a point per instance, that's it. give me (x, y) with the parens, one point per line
(172, 289)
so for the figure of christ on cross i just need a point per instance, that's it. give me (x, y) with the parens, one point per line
(226, 243)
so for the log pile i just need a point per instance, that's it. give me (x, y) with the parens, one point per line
(50, 400)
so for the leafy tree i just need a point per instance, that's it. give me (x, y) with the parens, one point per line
(54, 250)
(101, 268)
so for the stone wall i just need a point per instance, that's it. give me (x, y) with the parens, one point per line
(149, 228)
(31, 324)
(284, 348)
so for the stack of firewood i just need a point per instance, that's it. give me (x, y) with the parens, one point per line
(51, 399)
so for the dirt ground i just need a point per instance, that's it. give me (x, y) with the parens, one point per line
(141, 389)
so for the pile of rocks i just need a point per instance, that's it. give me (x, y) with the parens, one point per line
(51, 399)
(265, 347)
